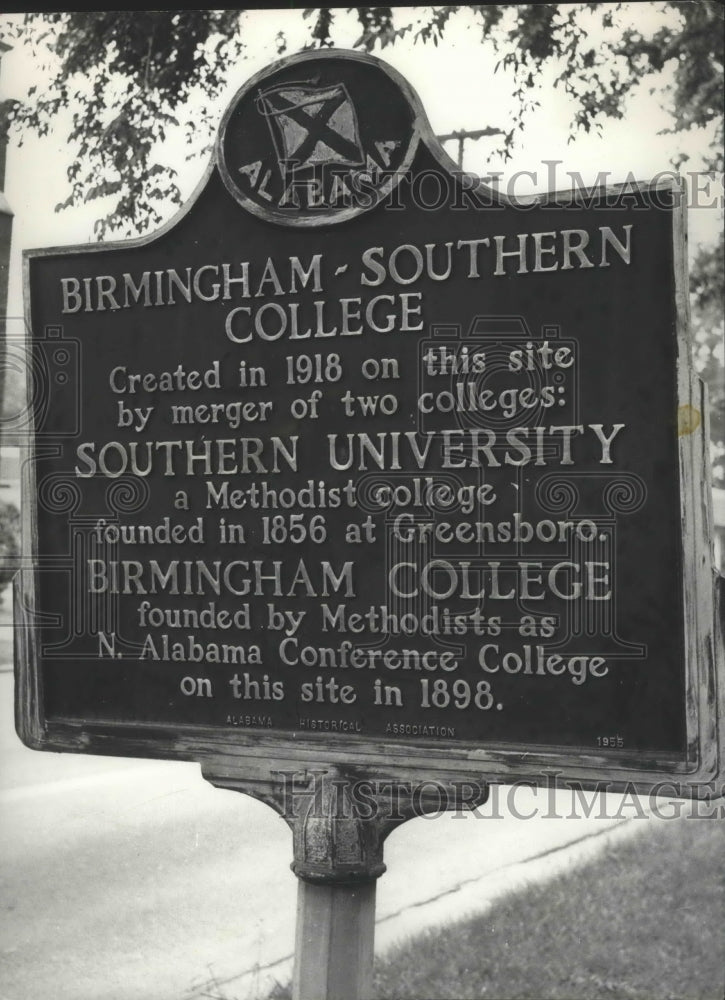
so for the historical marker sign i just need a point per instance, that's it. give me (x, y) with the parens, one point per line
(358, 462)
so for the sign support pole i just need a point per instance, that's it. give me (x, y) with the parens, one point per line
(334, 941)
(338, 856)
(339, 833)
(339, 819)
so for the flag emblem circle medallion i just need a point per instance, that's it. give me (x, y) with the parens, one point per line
(318, 138)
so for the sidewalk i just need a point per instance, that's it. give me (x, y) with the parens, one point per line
(400, 917)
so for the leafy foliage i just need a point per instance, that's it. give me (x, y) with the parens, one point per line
(707, 294)
(128, 76)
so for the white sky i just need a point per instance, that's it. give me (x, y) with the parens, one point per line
(457, 85)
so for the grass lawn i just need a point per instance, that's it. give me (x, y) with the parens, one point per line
(645, 921)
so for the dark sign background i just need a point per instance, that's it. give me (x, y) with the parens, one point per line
(619, 323)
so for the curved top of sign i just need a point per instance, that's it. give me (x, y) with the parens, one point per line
(322, 136)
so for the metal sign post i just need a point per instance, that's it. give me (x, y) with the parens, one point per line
(338, 858)
(339, 822)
